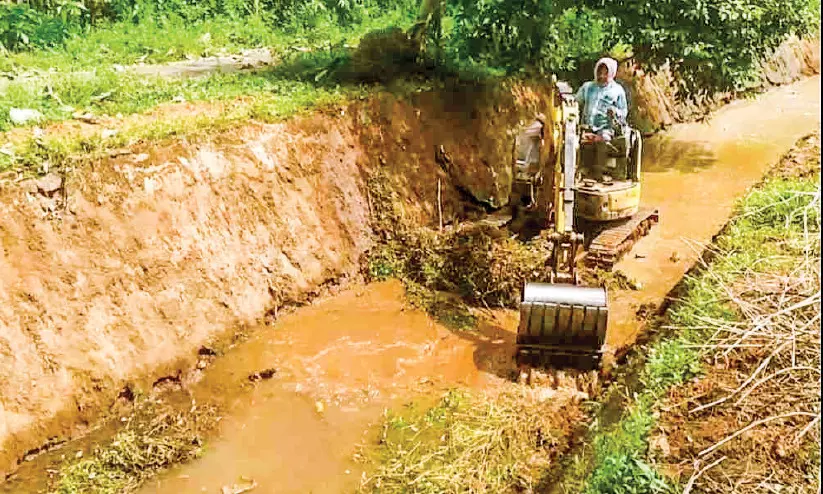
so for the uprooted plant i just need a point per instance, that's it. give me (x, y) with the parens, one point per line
(481, 264)
(155, 437)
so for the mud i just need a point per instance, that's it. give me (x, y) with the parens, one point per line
(342, 361)
(162, 251)
(339, 364)
(332, 368)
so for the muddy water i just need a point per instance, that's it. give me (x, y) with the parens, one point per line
(693, 174)
(339, 364)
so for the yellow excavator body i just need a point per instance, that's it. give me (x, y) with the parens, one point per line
(562, 323)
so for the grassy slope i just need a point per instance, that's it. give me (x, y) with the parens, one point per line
(81, 76)
(765, 234)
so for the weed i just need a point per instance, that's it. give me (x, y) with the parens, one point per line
(470, 443)
(670, 363)
(613, 280)
(155, 437)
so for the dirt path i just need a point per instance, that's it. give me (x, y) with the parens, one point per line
(246, 60)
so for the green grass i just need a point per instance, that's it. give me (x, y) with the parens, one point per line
(109, 93)
(767, 232)
(149, 41)
(80, 75)
(162, 38)
(262, 97)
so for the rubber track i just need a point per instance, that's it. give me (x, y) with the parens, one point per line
(610, 245)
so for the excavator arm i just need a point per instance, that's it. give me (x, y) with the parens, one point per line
(563, 324)
(566, 242)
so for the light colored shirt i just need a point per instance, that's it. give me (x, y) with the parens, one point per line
(596, 100)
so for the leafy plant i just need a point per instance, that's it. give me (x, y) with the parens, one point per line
(539, 36)
(715, 45)
(22, 27)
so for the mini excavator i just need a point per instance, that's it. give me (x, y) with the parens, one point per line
(595, 220)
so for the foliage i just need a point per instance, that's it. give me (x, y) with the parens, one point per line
(538, 36)
(670, 363)
(479, 263)
(714, 45)
(155, 437)
(121, 31)
(23, 28)
(468, 442)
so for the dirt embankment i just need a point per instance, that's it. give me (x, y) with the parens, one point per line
(117, 273)
(750, 421)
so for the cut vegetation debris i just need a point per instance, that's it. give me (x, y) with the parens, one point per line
(444, 270)
(157, 436)
(474, 443)
(730, 402)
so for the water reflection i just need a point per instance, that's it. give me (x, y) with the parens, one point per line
(662, 153)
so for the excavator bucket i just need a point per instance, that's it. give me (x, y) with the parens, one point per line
(562, 325)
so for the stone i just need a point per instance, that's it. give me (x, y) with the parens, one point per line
(22, 116)
(49, 184)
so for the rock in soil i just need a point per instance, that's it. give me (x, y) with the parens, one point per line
(49, 184)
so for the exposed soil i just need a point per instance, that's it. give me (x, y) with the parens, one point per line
(139, 260)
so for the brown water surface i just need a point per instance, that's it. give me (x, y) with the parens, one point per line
(693, 175)
(339, 364)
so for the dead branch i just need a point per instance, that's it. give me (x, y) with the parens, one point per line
(697, 473)
(753, 425)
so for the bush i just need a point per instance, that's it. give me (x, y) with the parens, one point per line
(23, 28)
(714, 45)
(541, 36)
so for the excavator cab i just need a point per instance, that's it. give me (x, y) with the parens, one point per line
(613, 194)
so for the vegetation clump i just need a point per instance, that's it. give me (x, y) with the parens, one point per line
(481, 264)
(472, 443)
(157, 436)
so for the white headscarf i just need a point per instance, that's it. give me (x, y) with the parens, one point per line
(611, 66)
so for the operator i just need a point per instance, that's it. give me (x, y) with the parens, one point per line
(602, 100)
